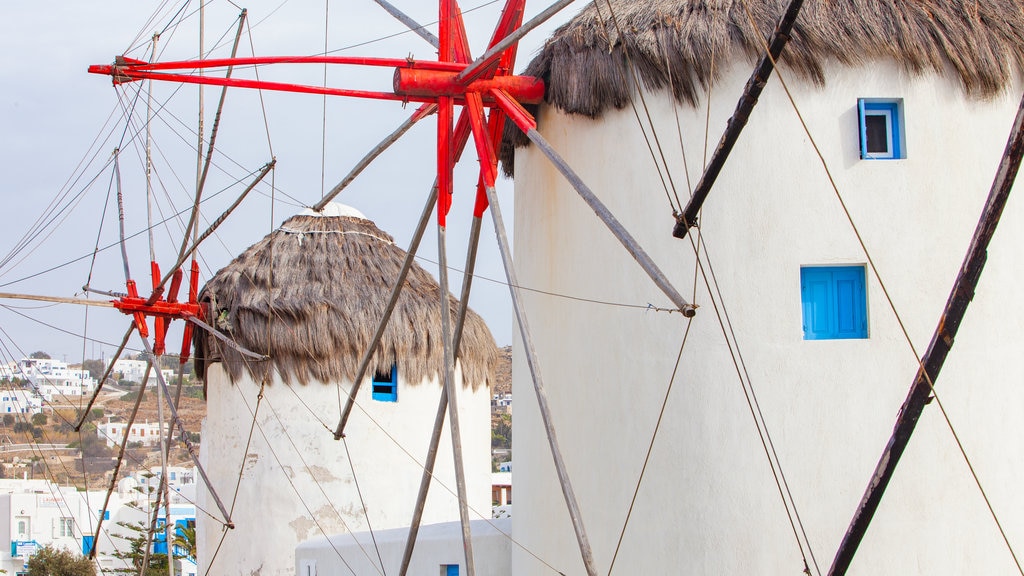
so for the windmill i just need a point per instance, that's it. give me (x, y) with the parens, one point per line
(489, 95)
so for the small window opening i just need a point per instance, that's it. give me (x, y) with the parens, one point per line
(385, 385)
(449, 570)
(881, 129)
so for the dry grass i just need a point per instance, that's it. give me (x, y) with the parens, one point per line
(682, 45)
(310, 296)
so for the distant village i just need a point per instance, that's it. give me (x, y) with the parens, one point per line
(53, 485)
(53, 489)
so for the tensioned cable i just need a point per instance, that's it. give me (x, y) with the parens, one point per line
(676, 205)
(679, 127)
(294, 488)
(115, 244)
(899, 319)
(756, 405)
(780, 480)
(402, 448)
(362, 502)
(650, 445)
(762, 429)
(263, 104)
(59, 496)
(107, 437)
(238, 481)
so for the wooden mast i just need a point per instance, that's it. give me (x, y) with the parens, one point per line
(942, 341)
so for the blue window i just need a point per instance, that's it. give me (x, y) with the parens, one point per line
(834, 302)
(881, 129)
(87, 544)
(385, 385)
(449, 570)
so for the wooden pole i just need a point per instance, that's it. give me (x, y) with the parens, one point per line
(119, 461)
(184, 438)
(942, 341)
(613, 224)
(752, 91)
(442, 404)
(421, 113)
(474, 70)
(413, 25)
(453, 401)
(57, 299)
(538, 386)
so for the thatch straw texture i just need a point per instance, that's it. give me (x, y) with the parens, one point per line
(682, 45)
(310, 296)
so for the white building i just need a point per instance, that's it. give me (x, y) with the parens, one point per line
(37, 513)
(19, 401)
(912, 144)
(55, 381)
(296, 481)
(145, 432)
(125, 369)
(135, 371)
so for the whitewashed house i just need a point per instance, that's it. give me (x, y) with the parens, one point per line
(147, 433)
(19, 401)
(55, 381)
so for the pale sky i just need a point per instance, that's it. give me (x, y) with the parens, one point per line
(60, 126)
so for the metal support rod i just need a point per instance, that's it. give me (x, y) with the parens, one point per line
(188, 443)
(119, 461)
(413, 25)
(453, 400)
(442, 403)
(421, 113)
(410, 256)
(538, 386)
(472, 71)
(751, 92)
(942, 341)
(613, 224)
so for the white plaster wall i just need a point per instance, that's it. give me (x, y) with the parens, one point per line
(297, 481)
(437, 545)
(708, 503)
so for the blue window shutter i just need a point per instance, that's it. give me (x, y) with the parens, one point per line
(385, 386)
(87, 544)
(451, 570)
(834, 302)
(863, 129)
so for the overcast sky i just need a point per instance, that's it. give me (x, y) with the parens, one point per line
(61, 126)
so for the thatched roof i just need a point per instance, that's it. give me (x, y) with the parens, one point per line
(682, 45)
(310, 295)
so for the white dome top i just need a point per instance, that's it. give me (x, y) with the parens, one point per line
(334, 209)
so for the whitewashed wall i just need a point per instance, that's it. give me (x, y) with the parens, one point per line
(296, 480)
(708, 503)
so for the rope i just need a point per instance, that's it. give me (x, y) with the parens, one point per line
(238, 482)
(650, 445)
(899, 319)
(636, 82)
(362, 503)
